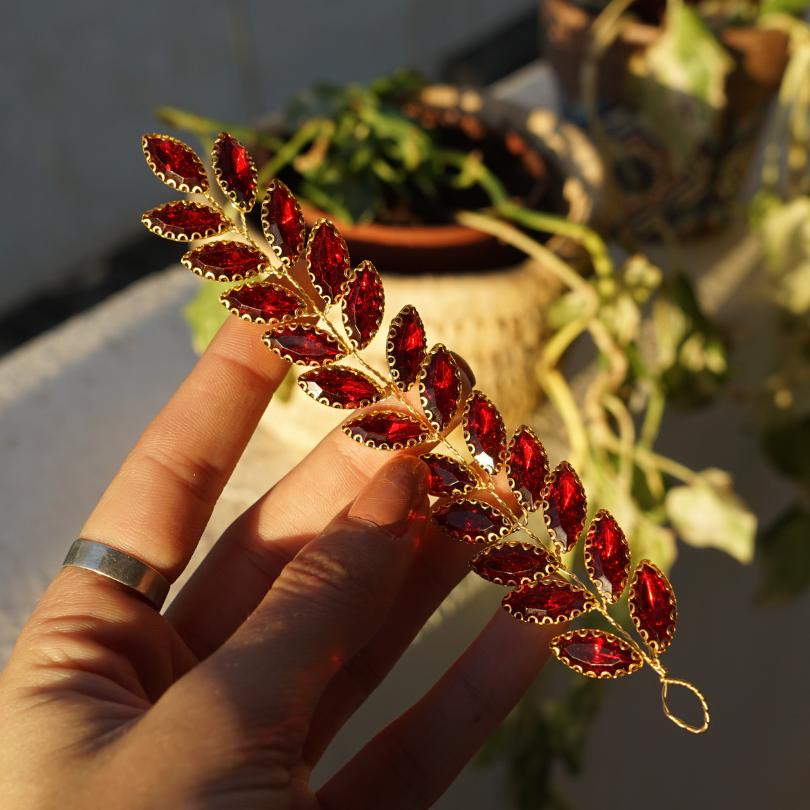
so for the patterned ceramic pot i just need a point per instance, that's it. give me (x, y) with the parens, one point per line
(647, 189)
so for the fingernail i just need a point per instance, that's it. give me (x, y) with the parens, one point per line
(394, 497)
(465, 369)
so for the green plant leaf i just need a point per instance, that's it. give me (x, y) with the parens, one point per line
(784, 230)
(784, 556)
(681, 86)
(570, 306)
(622, 317)
(641, 277)
(708, 514)
(691, 353)
(649, 541)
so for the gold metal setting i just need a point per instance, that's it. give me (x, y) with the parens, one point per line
(266, 220)
(610, 596)
(535, 504)
(197, 188)
(655, 646)
(234, 309)
(188, 261)
(557, 644)
(497, 463)
(222, 182)
(550, 566)
(310, 376)
(348, 426)
(328, 296)
(704, 706)
(348, 326)
(396, 324)
(507, 525)
(157, 227)
(269, 339)
(428, 458)
(437, 422)
(588, 604)
(570, 542)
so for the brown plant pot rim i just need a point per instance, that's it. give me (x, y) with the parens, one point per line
(416, 249)
(453, 248)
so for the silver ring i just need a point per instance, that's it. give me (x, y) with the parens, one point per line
(114, 564)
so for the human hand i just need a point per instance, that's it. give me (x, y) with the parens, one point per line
(297, 614)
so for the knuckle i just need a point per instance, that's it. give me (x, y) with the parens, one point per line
(244, 374)
(329, 578)
(195, 476)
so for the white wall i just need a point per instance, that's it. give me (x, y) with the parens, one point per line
(79, 82)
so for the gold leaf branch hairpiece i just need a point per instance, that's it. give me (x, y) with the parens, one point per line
(304, 327)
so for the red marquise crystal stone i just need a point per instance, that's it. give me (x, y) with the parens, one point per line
(283, 222)
(225, 261)
(339, 387)
(235, 171)
(596, 653)
(652, 606)
(527, 468)
(387, 430)
(472, 521)
(305, 345)
(440, 387)
(567, 506)
(328, 261)
(447, 476)
(175, 163)
(513, 563)
(363, 305)
(607, 555)
(183, 220)
(406, 347)
(263, 303)
(485, 432)
(548, 602)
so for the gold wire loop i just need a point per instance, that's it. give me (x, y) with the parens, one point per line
(665, 684)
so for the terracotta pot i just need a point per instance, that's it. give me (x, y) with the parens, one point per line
(407, 249)
(647, 183)
(448, 248)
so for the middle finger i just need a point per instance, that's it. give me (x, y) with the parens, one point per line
(246, 560)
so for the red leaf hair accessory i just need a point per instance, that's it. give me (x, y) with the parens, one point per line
(323, 317)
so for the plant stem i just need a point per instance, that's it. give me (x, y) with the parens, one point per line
(665, 465)
(290, 149)
(558, 343)
(652, 418)
(536, 220)
(562, 399)
(627, 438)
(549, 223)
(516, 238)
(650, 428)
(206, 127)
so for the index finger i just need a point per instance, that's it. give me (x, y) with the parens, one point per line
(159, 502)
